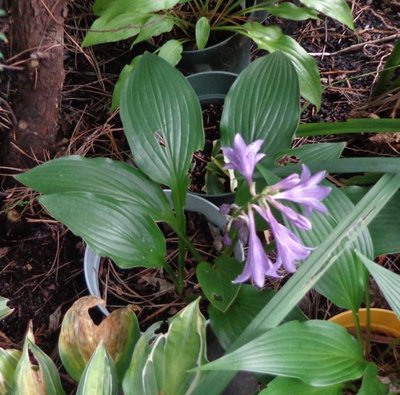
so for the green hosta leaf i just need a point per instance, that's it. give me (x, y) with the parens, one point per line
(171, 51)
(249, 302)
(121, 81)
(114, 229)
(318, 152)
(80, 336)
(370, 383)
(202, 32)
(99, 376)
(170, 358)
(344, 282)
(336, 9)
(139, 6)
(385, 228)
(156, 25)
(388, 282)
(36, 380)
(162, 120)
(102, 177)
(8, 364)
(286, 385)
(307, 275)
(4, 309)
(216, 281)
(292, 12)
(272, 39)
(317, 352)
(263, 103)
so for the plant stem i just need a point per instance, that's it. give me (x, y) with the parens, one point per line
(356, 319)
(367, 346)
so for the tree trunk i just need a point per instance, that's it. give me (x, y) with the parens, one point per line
(38, 36)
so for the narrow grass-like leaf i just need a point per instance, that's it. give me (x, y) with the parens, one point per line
(307, 275)
(360, 125)
(317, 352)
(388, 282)
(263, 103)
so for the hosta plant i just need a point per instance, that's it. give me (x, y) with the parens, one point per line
(326, 236)
(197, 20)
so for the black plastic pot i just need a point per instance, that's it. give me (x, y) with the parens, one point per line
(211, 88)
(232, 54)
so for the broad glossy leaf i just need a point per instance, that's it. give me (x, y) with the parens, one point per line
(8, 363)
(41, 379)
(318, 152)
(156, 25)
(172, 356)
(263, 103)
(162, 120)
(99, 376)
(272, 39)
(80, 336)
(291, 11)
(102, 177)
(388, 282)
(4, 309)
(317, 352)
(357, 125)
(371, 385)
(171, 51)
(306, 276)
(249, 302)
(336, 9)
(202, 32)
(118, 230)
(287, 385)
(344, 281)
(216, 281)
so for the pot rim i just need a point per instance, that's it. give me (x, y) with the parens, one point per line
(382, 320)
(91, 262)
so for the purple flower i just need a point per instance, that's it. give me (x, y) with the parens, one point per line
(242, 157)
(289, 247)
(306, 191)
(258, 265)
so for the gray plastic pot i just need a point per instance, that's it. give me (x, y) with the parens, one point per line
(211, 87)
(91, 262)
(232, 54)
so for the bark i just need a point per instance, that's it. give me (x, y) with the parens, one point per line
(38, 35)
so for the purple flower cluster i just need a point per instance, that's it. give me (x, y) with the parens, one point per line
(303, 190)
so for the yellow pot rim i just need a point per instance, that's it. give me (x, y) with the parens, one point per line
(382, 321)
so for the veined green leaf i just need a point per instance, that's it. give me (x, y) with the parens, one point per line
(170, 358)
(291, 11)
(202, 32)
(318, 152)
(4, 309)
(156, 25)
(287, 385)
(272, 39)
(36, 380)
(317, 352)
(99, 376)
(263, 103)
(8, 364)
(307, 275)
(371, 385)
(114, 229)
(140, 6)
(388, 282)
(356, 125)
(162, 118)
(171, 51)
(102, 177)
(336, 9)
